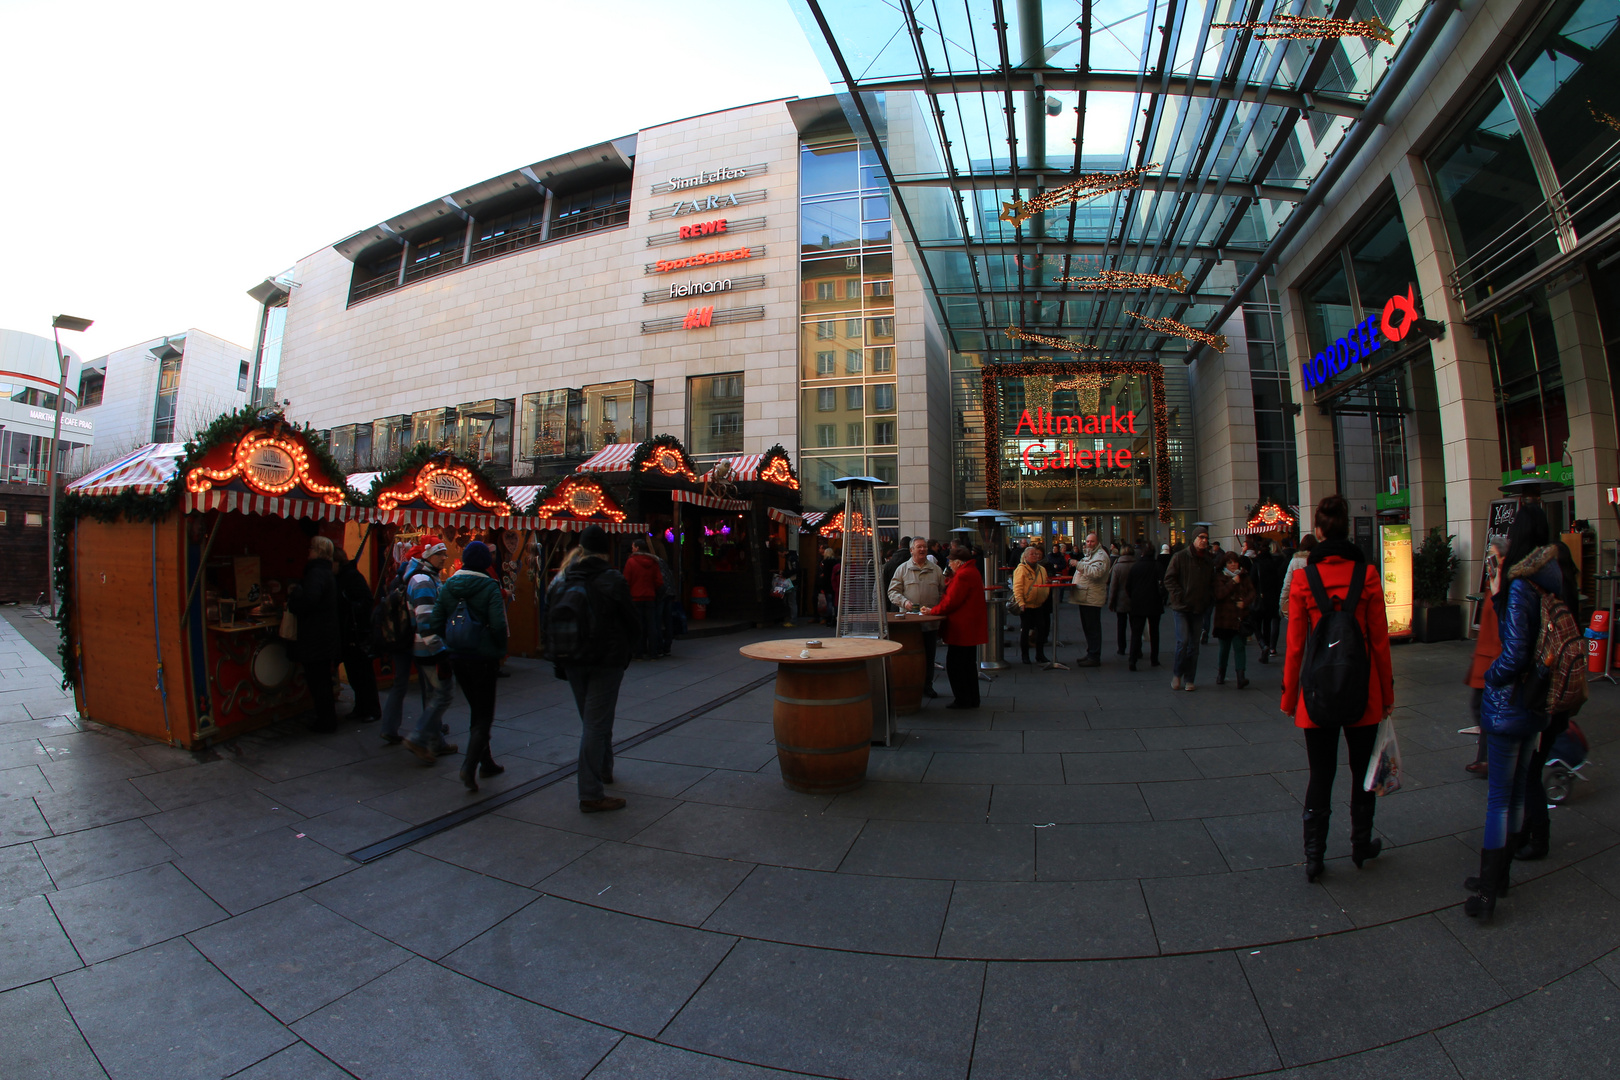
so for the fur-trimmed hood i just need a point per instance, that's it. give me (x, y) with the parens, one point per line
(1533, 563)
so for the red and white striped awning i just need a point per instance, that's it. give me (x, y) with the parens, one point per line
(242, 503)
(786, 517)
(812, 521)
(1614, 495)
(360, 482)
(522, 497)
(743, 468)
(624, 528)
(146, 471)
(612, 458)
(714, 502)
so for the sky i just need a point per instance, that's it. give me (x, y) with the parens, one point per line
(163, 158)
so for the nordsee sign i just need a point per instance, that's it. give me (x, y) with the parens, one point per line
(1368, 336)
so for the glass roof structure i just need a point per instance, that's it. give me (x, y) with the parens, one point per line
(974, 104)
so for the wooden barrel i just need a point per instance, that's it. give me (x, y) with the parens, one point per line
(908, 668)
(823, 723)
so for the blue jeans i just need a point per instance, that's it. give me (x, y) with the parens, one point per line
(1185, 665)
(430, 729)
(393, 710)
(1510, 772)
(596, 694)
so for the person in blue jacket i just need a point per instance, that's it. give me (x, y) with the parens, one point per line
(1511, 724)
(477, 664)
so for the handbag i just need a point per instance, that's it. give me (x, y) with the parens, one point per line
(289, 627)
(1013, 606)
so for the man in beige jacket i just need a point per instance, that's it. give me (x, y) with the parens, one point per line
(1090, 592)
(919, 583)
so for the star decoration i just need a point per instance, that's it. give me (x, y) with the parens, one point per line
(1092, 184)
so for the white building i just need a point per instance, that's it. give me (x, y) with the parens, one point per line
(28, 380)
(161, 390)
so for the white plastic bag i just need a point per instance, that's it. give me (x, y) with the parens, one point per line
(1384, 768)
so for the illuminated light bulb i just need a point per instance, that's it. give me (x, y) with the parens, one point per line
(1021, 210)
(1172, 328)
(1109, 280)
(1602, 117)
(1052, 342)
(1301, 27)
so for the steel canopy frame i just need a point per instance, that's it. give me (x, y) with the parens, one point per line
(1221, 115)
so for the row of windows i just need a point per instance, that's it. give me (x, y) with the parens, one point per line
(854, 396)
(855, 361)
(827, 329)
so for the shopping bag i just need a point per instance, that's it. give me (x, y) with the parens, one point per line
(289, 627)
(1384, 770)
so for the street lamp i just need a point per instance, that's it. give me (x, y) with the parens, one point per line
(58, 324)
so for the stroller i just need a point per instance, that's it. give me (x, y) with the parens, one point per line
(1564, 763)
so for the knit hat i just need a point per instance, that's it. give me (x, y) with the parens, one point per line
(476, 556)
(431, 546)
(1164, 549)
(594, 539)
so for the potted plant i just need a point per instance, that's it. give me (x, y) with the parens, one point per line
(1434, 568)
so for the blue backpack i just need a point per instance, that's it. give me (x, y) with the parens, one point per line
(463, 633)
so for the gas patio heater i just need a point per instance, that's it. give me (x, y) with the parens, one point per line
(992, 526)
(861, 609)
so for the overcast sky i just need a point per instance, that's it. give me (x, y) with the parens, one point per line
(162, 158)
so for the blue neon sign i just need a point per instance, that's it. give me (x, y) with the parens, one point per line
(1363, 340)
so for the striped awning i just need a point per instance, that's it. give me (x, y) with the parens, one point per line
(612, 458)
(625, 528)
(812, 521)
(714, 502)
(522, 497)
(360, 482)
(786, 517)
(146, 471)
(743, 468)
(267, 506)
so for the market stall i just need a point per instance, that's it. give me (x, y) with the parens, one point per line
(174, 567)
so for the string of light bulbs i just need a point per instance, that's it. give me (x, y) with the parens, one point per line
(1172, 328)
(1112, 280)
(1297, 27)
(1092, 184)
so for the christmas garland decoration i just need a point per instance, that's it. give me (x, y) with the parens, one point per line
(415, 458)
(1089, 186)
(1602, 117)
(779, 452)
(644, 453)
(1171, 328)
(1296, 27)
(1067, 344)
(991, 395)
(1125, 280)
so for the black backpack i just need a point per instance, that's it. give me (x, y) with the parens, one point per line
(1334, 673)
(570, 622)
(392, 629)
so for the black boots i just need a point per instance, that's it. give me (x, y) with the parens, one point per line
(1242, 681)
(1316, 832)
(1491, 883)
(1536, 842)
(1040, 655)
(1025, 653)
(1362, 844)
(1220, 678)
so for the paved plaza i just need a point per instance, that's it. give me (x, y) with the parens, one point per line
(1090, 876)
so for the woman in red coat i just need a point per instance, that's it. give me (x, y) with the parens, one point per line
(965, 629)
(1334, 558)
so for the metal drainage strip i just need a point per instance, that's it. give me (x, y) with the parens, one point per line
(478, 809)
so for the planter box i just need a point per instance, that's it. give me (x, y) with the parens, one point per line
(1442, 622)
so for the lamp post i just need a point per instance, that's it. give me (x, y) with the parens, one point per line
(58, 324)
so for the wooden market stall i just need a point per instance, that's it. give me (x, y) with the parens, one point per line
(176, 565)
(765, 490)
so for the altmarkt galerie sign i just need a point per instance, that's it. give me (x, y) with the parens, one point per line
(1078, 436)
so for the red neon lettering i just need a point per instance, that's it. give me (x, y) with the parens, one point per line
(664, 266)
(698, 317)
(1028, 464)
(1023, 422)
(1123, 458)
(1407, 305)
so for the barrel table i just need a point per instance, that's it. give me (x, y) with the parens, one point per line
(908, 668)
(823, 713)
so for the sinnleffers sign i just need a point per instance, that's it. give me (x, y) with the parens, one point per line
(718, 175)
(1364, 339)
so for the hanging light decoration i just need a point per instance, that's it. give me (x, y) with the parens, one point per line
(1299, 27)
(1110, 280)
(1172, 328)
(1602, 117)
(1068, 344)
(269, 463)
(1092, 184)
(580, 499)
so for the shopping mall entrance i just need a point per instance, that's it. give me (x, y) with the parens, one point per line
(1110, 528)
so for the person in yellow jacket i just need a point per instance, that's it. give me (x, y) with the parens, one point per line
(1030, 591)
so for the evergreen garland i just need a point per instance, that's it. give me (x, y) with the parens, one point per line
(415, 458)
(645, 451)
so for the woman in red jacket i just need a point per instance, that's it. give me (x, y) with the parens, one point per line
(965, 627)
(1335, 558)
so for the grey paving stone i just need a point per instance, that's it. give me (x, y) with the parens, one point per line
(32, 944)
(1190, 738)
(1249, 760)
(1082, 741)
(21, 753)
(1227, 911)
(1047, 920)
(1169, 1017)
(1135, 713)
(1539, 946)
(756, 790)
(1256, 841)
(93, 805)
(639, 1059)
(261, 868)
(75, 770)
(351, 828)
(67, 738)
(20, 822)
(1067, 803)
(905, 766)
(22, 874)
(1420, 1058)
(322, 792)
(552, 749)
(1215, 798)
(655, 884)
(952, 768)
(295, 956)
(1130, 849)
(42, 1042)
(836, 911)
(614, 969)
(707, 753)
(1059, 719)
(203, 783)
(190, 1021)
(1569, 1028)
(221, 821)
(1409, 817)
(810, 841)
(297, 1062)
(966, 742)
(1143, 765)
(768, 1004)
(1439, 984)
(1604, 868)
(1401, 882)
(114, 916)
(891, 801)
(637, 776)
(108, 851)
(715, 727)
(557, 807)
(953, 850)
(428, 906)
(507, 848)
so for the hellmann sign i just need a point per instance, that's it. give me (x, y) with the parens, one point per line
(1390, 326)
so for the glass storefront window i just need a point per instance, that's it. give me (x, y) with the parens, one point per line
(816, 475)
(343, 446)
(390, 438)
(1532, 416)
(1381, 257)
(826, 169)
(549, 425)
(436, 427)
(484, 432)
(714, 414)
(1328, 309)
(617, 413)
(830, 224)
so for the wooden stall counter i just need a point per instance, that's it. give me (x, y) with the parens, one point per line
(908, 668)
(823, 712)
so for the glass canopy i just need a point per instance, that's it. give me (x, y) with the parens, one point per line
(975, 104)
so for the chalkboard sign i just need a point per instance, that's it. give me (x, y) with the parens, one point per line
(1502, 514)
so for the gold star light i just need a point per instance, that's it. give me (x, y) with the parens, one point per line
(1172, 328)
(1293, 27)
(1602, 117)
(1092, 184)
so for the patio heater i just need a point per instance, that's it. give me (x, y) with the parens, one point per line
(992, 526)
(861, 611)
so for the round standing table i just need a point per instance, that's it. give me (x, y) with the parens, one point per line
(823, 712)
(908, 668)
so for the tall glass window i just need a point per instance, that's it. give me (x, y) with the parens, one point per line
(484, 432)
(170, 356)
(617, 412)
(714, 414)
(550, 425)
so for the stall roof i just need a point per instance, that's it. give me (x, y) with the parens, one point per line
(360, 482)
(522, 496)
(145, 471)
(615, 457)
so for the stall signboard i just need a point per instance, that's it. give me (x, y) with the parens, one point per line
(1387, 326)
(1397, 568)
(1496, 527)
